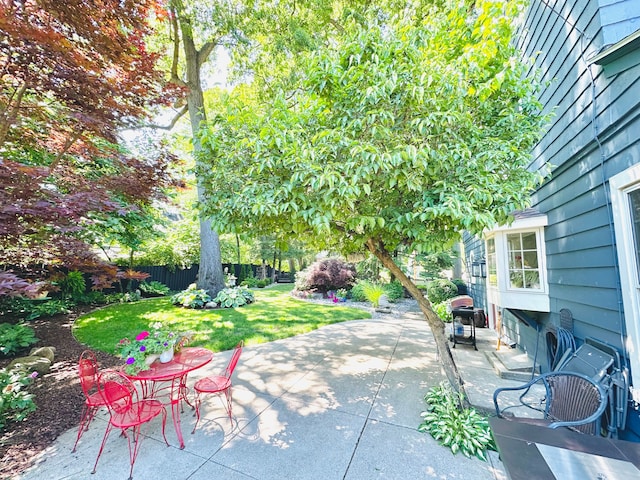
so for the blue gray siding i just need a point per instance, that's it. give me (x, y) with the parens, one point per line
(593, 135)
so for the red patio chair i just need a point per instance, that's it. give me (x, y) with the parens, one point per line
(218, 384)
(88, 372)
(127, 411)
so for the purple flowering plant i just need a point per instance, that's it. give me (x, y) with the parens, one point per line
(155, 341)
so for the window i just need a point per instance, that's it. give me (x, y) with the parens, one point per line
(516, 264)
(625, 202)
(491, 262)
(523, 260)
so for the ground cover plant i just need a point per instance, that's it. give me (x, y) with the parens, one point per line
(274, 315)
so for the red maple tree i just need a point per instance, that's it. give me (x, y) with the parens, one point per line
(72, 75)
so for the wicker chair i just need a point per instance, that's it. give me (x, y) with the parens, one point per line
(565, 399)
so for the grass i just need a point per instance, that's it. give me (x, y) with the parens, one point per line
(274, 315)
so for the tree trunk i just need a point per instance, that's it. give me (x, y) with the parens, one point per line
(210, 275)
(435, 323)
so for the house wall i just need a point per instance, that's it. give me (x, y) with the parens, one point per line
(592, 136)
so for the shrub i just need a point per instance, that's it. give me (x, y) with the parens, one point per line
(92, 298)
(250, 281)
(357, 292)
(72, 285)
(32, 309)
(154, 289)
(15, 402)
(262, 283)
(373, 292)
(460, 429)
(394, 291)
(442, 309)
(15, 337)
(462, 286)
(234, 297)
(326, 274)
(191, 297)
(440, 290)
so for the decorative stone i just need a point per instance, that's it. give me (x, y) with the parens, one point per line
(211, 305)
(384, 302)
(30, 364)
(383, 309)
(46, 352)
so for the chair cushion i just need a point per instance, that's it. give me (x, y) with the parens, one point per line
(215, 383)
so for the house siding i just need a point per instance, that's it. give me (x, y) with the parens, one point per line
(592, 136)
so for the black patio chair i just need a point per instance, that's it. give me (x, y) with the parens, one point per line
(562, 399)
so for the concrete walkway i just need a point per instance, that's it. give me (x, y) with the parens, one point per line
(340, 403)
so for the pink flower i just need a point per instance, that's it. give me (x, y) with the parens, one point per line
(142, 335)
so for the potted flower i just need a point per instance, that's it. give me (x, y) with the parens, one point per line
(140, 352)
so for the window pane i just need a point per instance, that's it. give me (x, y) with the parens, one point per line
(492, 269)
(529, 241)
(531, 279)
(634, 203)
(530, 259)
(514, 242)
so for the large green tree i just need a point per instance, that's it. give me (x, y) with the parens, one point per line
(399, 132)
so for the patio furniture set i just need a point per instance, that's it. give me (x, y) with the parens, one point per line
(133, 400)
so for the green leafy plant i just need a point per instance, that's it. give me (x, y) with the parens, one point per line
(250, 281)
(461, 429)
(32, 309)
(442, 309)
(15, 337)
(357, 292)
(15, 402)
(440, 290)
(72, 285)
(234, 297)
(192, 297)
(394, 291)
(154, 289)
(136, 351)
(373, 292)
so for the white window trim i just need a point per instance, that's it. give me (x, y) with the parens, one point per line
(521, 298)
(620, 185)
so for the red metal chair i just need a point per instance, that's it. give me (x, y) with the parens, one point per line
(88, 371)
(218, 384)
(127, 411)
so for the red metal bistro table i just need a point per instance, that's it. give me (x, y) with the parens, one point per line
(169, 380)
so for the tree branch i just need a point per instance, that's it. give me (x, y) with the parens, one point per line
(205, 51)
(175, 78)
(171, 124)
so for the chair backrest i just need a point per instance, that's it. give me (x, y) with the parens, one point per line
(575, 397)
(88, 372)
(233, 361)
(117, 390)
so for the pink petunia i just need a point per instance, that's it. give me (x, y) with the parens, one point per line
(142, 335)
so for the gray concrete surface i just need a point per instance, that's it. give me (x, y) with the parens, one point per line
(342, 402)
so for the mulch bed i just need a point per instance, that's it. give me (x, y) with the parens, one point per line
(57, 395)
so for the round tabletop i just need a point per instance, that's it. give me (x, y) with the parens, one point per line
(183, 362)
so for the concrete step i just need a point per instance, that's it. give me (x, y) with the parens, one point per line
(511, 364)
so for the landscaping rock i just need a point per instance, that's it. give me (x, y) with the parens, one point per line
(46, 352)
(31, 363)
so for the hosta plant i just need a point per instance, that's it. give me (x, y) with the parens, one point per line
(192, 297)
(13, 338)
(461, 429)
(234, 297)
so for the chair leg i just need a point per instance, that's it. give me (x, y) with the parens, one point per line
(229, 396)
(196, 403)
(87, 415)
(104, 440)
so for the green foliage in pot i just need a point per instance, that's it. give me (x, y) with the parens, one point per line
(461, 429)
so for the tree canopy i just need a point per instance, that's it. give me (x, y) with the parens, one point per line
(73, 74)
(400, 131)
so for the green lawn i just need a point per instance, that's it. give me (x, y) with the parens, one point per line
(274, 315)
